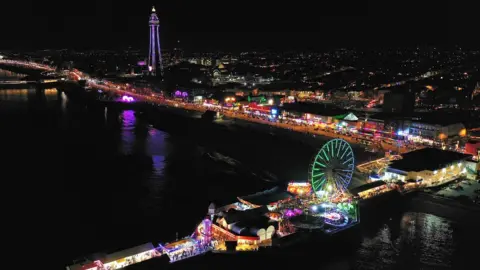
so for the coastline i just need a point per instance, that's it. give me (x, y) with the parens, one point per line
(190, 130)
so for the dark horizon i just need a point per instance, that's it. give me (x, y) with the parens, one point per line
(113, 25)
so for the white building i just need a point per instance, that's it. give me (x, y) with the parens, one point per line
(432, 166)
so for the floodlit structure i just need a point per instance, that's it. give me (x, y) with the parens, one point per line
(431, 166)
(332, 168)
(154, 54)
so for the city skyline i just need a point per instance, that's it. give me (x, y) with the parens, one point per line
(109, 25)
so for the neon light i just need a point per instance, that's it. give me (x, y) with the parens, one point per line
(339, 167)
(127, 99)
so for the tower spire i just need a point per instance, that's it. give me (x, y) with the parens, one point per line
(155, 53)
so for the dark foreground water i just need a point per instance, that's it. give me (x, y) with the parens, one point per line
(87, 181)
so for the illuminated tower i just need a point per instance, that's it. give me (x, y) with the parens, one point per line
(154, 53)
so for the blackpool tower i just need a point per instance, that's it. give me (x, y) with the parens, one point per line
(154, 54)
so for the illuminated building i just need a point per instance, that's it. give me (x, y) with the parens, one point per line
(436, 129)
(154, 52)
(431, 166)
(296, 188)
(119, 259)
(248, 228)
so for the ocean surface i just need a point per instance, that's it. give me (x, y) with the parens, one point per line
(99, 181)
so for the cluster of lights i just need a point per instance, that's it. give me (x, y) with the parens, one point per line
(179, 93)
(299, 188)
(128, 99)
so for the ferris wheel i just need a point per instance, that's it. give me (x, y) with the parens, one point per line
(332, 167)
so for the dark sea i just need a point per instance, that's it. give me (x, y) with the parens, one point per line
(85, 181)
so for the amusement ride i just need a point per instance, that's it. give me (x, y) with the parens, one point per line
(329, 202)
(332, 168)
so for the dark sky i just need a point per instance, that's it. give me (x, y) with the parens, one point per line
(232, 24)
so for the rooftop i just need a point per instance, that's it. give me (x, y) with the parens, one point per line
(427, 159)
(368, 186)
(233, 216)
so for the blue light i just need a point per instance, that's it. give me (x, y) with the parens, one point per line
(274, 111)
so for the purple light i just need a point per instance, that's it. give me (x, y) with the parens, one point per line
(185, 94)
(141, 63)
(178, 93)
(127, 99)
(292, 213)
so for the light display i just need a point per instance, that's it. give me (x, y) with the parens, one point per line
(204, 232)
(179, 93)
(154, 53)
(335, 218)
(127, 99)
(293, 212)
(332, 168)
(299, 188)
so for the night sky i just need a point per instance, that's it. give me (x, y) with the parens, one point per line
(108, 24)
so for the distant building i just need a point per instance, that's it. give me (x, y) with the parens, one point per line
(436, 130)
(393, 123)
(323, 113)
(399, 102)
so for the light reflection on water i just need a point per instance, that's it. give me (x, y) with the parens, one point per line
(154, 142)
(15, 94)
(128, 132)
(51, 94)
(419, 241)
(423, 240)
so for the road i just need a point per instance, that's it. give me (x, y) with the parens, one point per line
(148, 96)
(120, 90)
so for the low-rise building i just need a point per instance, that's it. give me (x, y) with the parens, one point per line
(436, 130)
(322, 113)
(431, 166)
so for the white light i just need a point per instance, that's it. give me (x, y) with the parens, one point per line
(314, 208)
